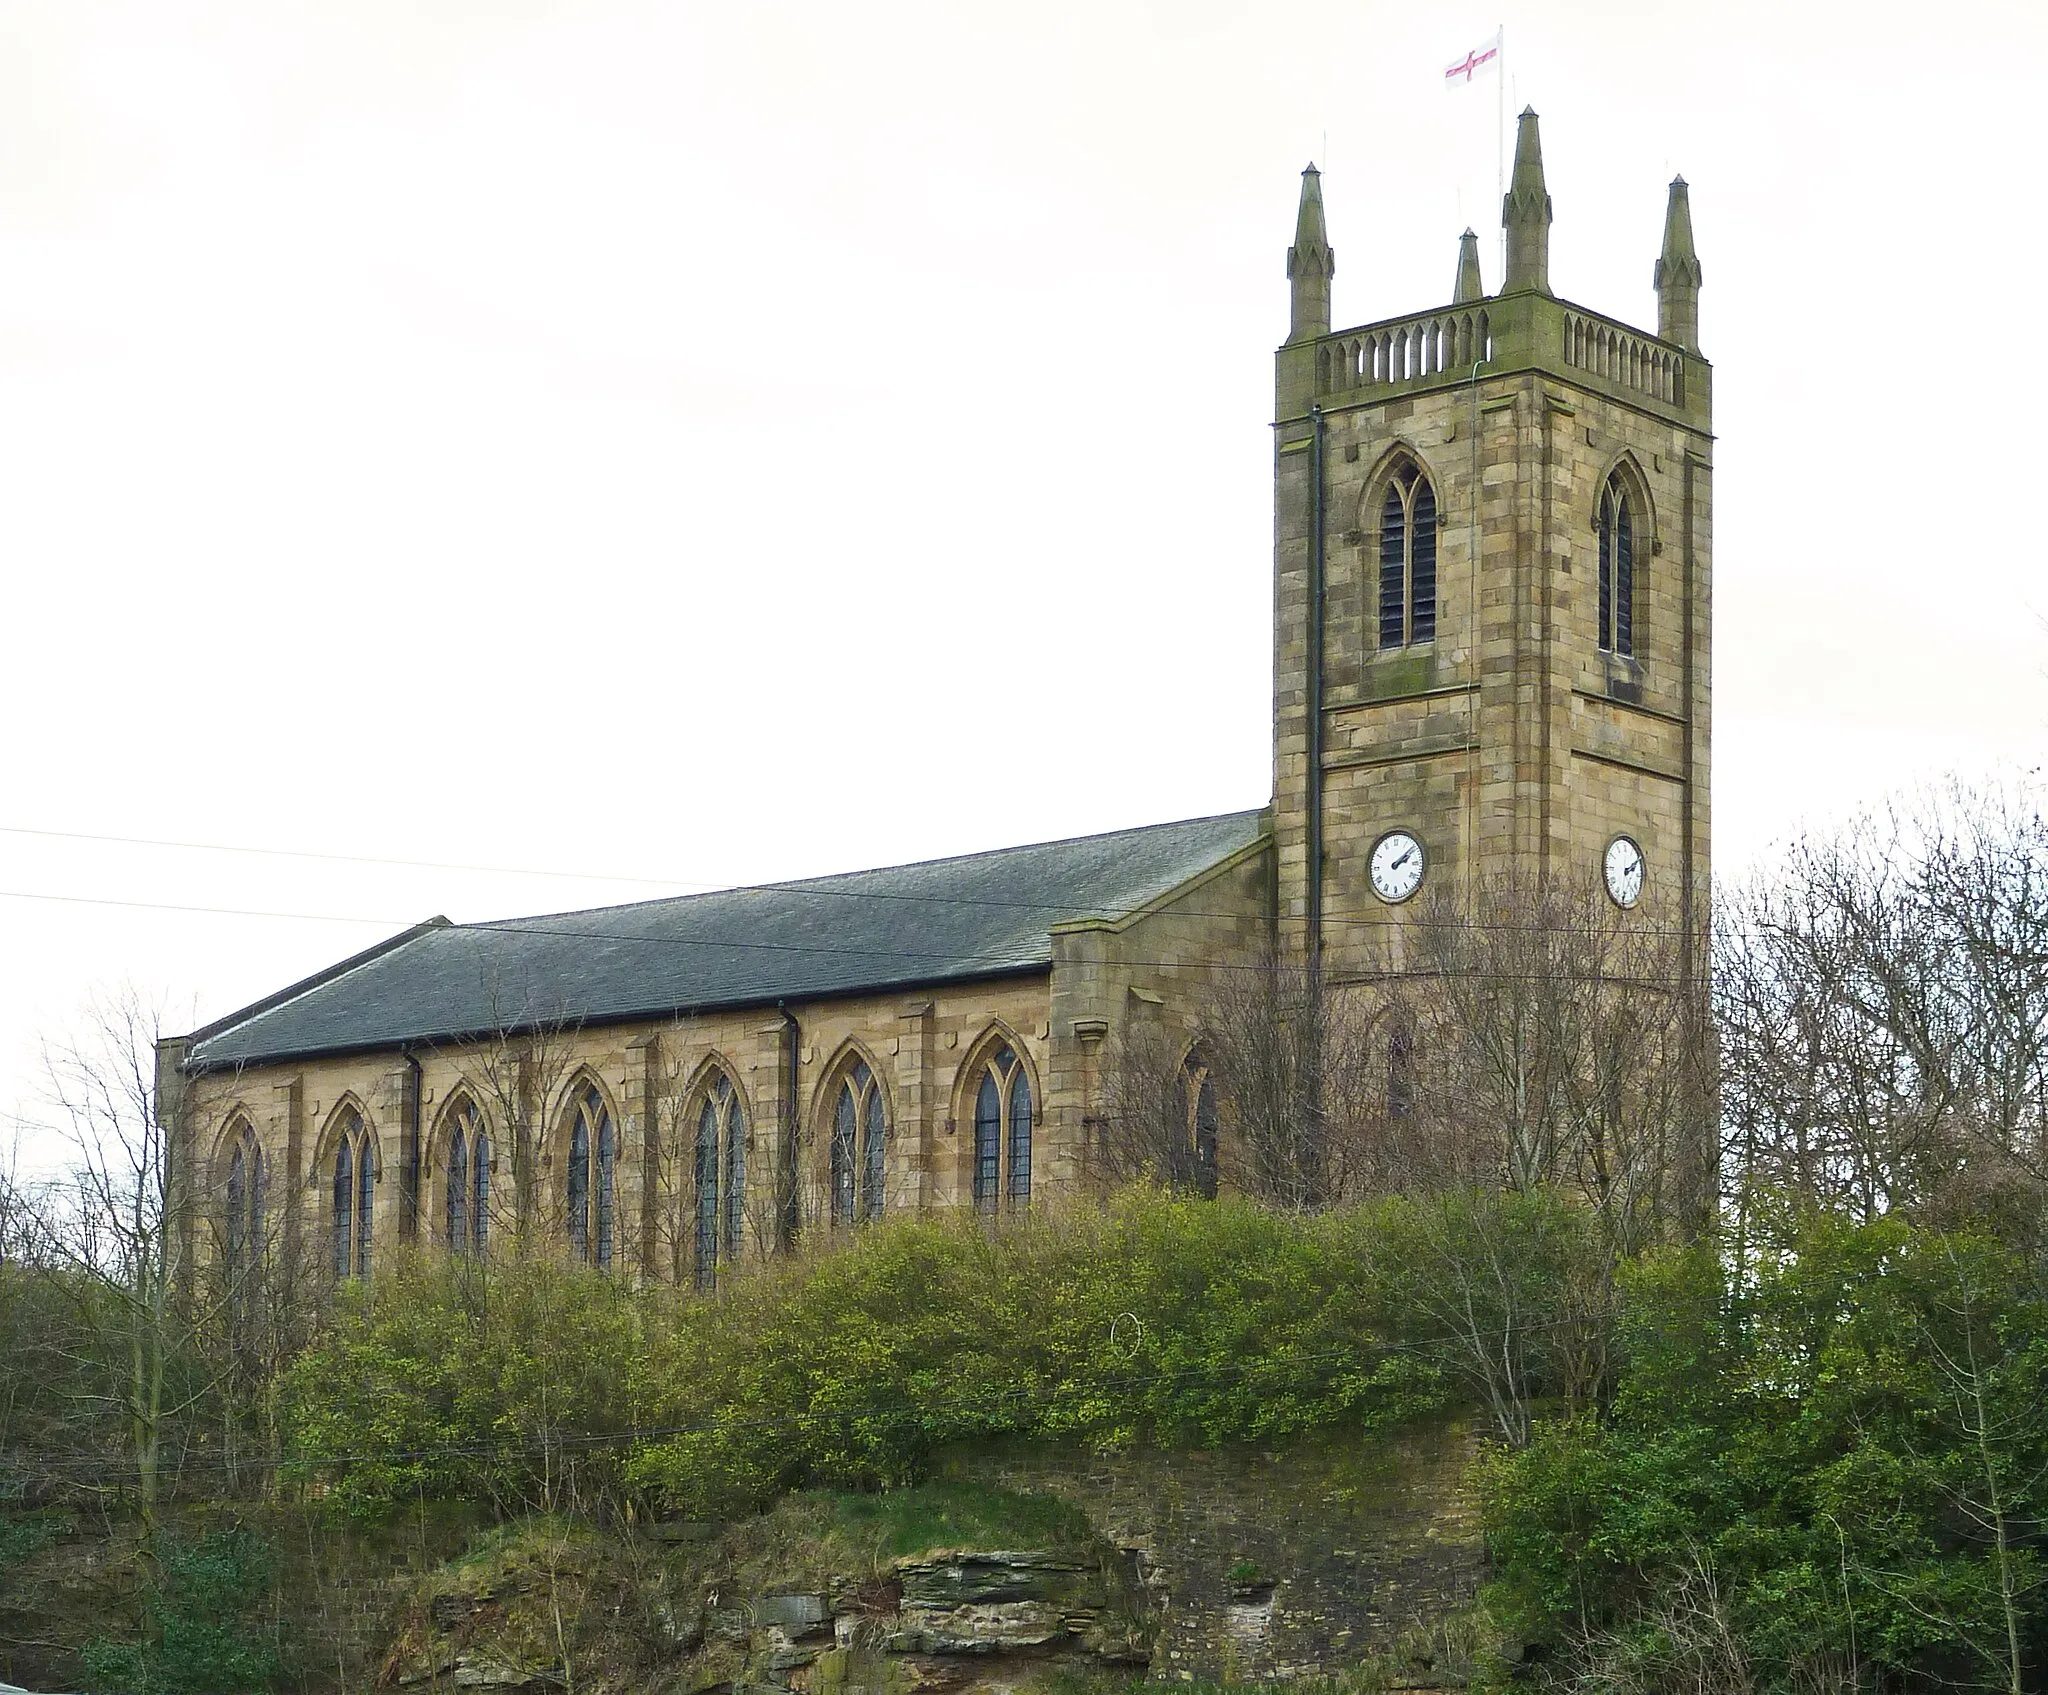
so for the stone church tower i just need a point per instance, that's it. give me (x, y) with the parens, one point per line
(1493, 582)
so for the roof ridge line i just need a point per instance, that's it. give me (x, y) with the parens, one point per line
(861, 871)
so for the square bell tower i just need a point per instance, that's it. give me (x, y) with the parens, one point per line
(1493, 575)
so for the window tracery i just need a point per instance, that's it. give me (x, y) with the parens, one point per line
(354, 1189)
(468, 1180)
(721, 1178)
(590, 1184)
(859, 1158)
(1002, 1133)
(248, 1178)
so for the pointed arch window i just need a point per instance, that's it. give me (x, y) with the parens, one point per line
(1401, 1071)
(591, 1183)
(860, 1148)
(721, 1178)
(1002, 1133)
(1407, 521)
(1204, 1119)
(247, 1180)
(1618, 524)
(469, 1181)
(355, 1193)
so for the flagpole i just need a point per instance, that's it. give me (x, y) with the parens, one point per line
(1500, 144)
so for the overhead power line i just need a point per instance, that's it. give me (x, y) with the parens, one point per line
(810, 886)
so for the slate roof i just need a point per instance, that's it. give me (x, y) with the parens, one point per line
(944, 920)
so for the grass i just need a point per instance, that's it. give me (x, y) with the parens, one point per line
(953, 1515)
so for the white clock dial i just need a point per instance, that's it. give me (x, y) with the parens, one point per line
(1396, 866)
(1624, 871)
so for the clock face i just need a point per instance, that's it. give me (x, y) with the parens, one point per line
(1624, 871)
(1396, 866)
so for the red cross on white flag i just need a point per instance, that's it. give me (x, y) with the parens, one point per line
(1483, 58)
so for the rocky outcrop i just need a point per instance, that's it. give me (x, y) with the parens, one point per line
(1246, 1566)
(953, 1620)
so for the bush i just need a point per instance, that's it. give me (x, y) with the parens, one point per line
(1833, 1471)
(1152, 1321)
(1155, 1321)
(447, 1381)
(202, 1635)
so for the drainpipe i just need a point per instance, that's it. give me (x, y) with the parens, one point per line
(792, 1036)
(409, 1202)
(1316, 574)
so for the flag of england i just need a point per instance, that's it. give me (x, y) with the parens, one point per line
(1483, 58)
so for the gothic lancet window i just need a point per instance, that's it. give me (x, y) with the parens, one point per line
(1617, 568)
(1401, 1072)
(1204, 1120)
(721, 1179)
(590, 1187)
(479, 1189)
(355, 1188)
(1407, 559)
(458, 1190)
(469, 1181)
(243, 1236)
(1002, 1133)
(859, 1148)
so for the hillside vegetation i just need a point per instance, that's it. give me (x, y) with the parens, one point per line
(1828, 1470)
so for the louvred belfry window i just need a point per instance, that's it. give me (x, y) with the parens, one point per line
(1617, 569)
(1407, 559)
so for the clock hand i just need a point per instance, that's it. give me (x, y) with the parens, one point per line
(1403, 860)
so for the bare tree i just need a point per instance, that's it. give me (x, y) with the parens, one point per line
(114, 1235)
(1148, 1125)
(1559, 1041)
(1274, 1091)
(1883, 1001)
(516, 1073)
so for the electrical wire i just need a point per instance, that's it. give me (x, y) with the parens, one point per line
(808, 886)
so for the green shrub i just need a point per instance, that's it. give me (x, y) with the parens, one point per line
(203, 1633)
(1154, 1320)
(446, 1381)
(1837, 1469)
(1150, 1321)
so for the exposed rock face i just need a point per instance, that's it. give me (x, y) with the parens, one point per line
(954, 1620)
(1309, 1560)
(1245, 1566)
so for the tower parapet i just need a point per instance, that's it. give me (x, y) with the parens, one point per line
(1523, 328)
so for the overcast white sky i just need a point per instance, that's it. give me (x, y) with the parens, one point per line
(721, 442)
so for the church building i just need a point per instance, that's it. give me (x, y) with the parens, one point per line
(1492, 590)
